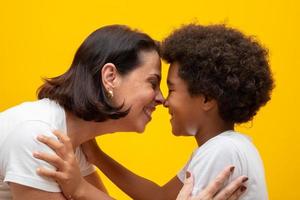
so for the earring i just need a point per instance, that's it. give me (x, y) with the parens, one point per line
(110, 94)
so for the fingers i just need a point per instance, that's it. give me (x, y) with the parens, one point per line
(186, 191)
(64, 139)
(57, 146)
(50, 173)
(54, 160)
(233, 189)
(238, 193)
(63, 147)
(217, 184)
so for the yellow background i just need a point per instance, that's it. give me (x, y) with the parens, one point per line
(39, 38)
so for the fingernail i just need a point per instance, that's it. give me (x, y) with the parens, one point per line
(40, 137)
(38, 170)
(245, 179)
(232, 169)
(35, 154)
(243, 188)
(187, 174)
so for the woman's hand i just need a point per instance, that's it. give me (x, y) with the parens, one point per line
(68, 174)
(212, 192)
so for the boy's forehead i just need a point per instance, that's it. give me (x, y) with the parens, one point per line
(172, 73)
(173, 70)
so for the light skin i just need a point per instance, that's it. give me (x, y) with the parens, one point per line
(139, 90)
(204, 124)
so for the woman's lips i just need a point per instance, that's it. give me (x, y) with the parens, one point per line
(148, 111)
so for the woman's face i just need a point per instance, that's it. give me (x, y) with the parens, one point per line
(140, 90)
(186, 112)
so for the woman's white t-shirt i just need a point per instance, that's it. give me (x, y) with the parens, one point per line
(19, 127)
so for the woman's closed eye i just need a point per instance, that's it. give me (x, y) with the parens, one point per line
(154, 83)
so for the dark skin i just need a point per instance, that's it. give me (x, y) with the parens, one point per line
(212, 192)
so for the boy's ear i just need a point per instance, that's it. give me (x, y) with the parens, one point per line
(207, 103)
(109, 74)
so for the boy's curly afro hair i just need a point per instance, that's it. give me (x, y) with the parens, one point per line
(223, 64)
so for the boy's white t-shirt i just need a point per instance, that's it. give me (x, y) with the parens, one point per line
(228, 148)
(19, 127)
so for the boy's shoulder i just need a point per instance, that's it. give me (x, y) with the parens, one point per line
(224, 144)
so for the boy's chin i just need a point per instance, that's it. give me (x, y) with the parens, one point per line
(180, 133)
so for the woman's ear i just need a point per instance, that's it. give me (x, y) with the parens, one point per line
(109, 74)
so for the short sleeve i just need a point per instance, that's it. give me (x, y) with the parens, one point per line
(20, 166)
(182, 173)
(208, 162)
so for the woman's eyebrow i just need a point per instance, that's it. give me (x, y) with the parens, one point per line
(156, 76)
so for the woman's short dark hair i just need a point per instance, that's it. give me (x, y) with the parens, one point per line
(223, 64)
(80, 89)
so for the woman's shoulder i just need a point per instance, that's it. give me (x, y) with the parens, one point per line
(42, 111)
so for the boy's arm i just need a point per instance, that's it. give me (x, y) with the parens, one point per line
(135, 186)
(96, 181)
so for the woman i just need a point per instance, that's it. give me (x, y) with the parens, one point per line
(111, 86)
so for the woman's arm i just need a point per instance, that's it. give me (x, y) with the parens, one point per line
(232, 191)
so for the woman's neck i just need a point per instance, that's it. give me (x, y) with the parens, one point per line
(81, 131)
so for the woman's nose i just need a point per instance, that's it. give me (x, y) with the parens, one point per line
(159, 98)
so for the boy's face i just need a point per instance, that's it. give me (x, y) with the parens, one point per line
(186, 111)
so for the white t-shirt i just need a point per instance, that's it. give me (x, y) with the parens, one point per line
(19, 127)
(228, 148)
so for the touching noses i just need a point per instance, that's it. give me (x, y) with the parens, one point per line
(159, 98)
(166, 103)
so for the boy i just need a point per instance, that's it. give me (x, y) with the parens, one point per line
(218, 77)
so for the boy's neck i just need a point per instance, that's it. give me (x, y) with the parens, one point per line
(211, 130)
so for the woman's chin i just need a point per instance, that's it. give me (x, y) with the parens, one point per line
(140, 128)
